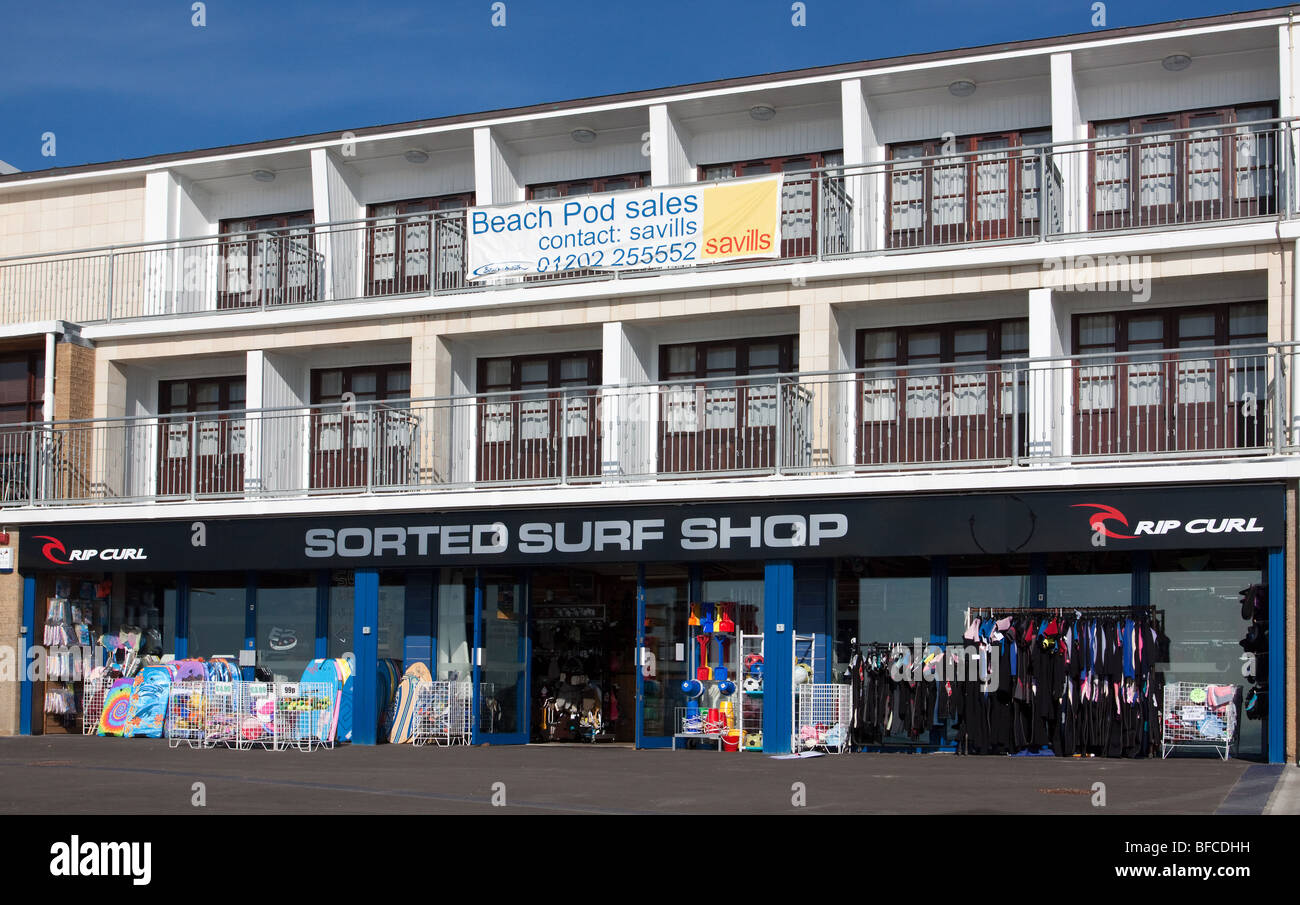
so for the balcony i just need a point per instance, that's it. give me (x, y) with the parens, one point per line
(1211, 175)
(1176, 405)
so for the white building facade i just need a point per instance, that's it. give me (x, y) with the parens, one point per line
(1028, 342)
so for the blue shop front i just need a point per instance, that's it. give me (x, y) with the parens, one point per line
(555, 614)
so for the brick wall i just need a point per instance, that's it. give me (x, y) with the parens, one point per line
(74, 382)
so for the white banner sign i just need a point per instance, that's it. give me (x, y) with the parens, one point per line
(671, 227)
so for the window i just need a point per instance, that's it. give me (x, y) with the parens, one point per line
(269, 260)
(1151, 381)
(969, 189)
(728, 420)
(935, 393)
(202, 436)
(1184, 167)
(538, 416)
(364, 432)
(22, 387)
(799, 195)
(416, 243)
(545, 191)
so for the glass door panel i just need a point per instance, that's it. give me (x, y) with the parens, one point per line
(501, 668)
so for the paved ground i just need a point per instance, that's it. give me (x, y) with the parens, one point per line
(53, 775)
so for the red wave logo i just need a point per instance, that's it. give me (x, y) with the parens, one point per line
(1103, 514)
(54, 544)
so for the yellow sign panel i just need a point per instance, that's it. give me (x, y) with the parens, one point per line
(741, 220)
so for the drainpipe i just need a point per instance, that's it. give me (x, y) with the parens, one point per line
(47, 398)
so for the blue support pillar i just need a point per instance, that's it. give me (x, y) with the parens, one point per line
(182, 616)
(778, 656)
(29, 632)
(1038, 579)
(1275, 729)
(250, 621)
(476, 657)
(365, 683)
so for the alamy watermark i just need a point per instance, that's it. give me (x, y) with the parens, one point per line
(955, 663)
(1101, 273)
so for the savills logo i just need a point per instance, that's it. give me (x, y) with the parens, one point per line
(58, 554)
(1160, 527)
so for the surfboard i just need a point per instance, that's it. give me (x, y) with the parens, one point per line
(326, 672)
(404, 722)
(117, 707)
(390, 676)
(149, 702)
(345, 699)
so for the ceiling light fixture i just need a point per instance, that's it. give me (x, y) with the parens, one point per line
(761, 112)
(1176, 62)
(961, 88)
(264, 175)
(415, 155)
(583, 136)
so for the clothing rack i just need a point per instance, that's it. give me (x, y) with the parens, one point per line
(1084, 612)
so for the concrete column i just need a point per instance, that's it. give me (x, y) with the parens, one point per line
(254, 373)
(1072, 163)
(1048, 397)
(450, 444)
(629, 408)
(864, 179)
(1288, 47)
(670, 159)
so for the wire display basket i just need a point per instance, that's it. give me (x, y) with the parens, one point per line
(1201, 717)
(444, 713)
(823, 717)
(304, 716)
(186, 714)
(221, 715)
(93, 693)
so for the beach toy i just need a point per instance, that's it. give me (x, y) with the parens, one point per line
(692, 688)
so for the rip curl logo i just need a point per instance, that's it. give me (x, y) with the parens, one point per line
(54, 545)
(1097, 521)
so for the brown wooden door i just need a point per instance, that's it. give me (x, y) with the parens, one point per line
(539, 418)
(362, 430)
(201, 437)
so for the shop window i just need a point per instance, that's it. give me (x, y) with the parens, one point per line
(392, 615)
(539, 417)
(1184, 167)
(1197, 590)
(455, 624)
(202, 436)
(416, 243)
(269, 260)
(505, 634)
(218, 603)
(286, 623)
(1089, 580)
(1152, 381)
(971, 188)
(980, 581)
(667, 611)
(342, 606)
(720, 408)
(364, 433)
(739, 583)
(880, 600)
(802, 195)
(941, 392)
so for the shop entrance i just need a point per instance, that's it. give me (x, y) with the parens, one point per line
(583, 628)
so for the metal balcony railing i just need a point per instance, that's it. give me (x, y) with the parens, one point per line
(1215, 402)
(1139, 182)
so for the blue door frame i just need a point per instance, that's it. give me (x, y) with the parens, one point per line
(522, 690)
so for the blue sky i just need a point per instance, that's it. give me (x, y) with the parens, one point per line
(116, 79)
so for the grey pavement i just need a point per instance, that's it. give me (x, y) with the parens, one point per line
(90, 775)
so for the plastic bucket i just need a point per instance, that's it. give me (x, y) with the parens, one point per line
(731, 741)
